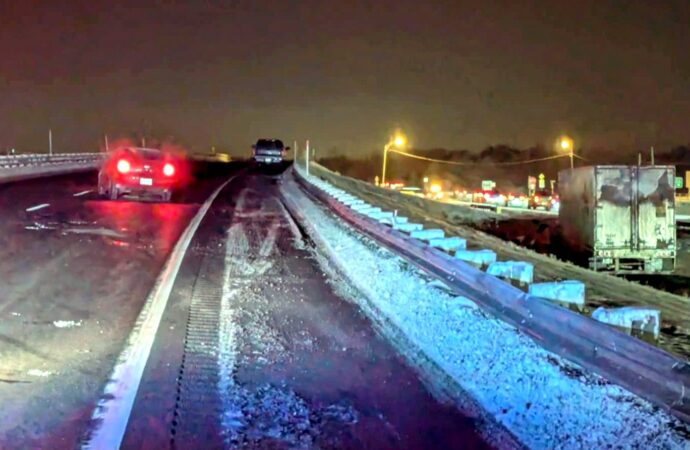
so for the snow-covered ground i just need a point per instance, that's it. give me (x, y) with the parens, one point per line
(545, 401)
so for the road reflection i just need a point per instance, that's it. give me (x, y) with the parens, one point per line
(154, 226)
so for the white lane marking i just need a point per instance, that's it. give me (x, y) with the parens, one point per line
(112, 412)
(79, 194)
(37, 207)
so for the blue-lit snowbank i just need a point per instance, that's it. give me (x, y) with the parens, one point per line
(545, 401)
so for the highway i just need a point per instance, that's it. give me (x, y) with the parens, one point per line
(75, 273)
(256, 346)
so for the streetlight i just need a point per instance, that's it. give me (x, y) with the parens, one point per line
(567, 145)
(397, 141)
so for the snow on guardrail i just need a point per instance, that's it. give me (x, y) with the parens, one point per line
(19, 167)
(648, 371)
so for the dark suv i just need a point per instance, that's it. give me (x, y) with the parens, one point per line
(269, 151)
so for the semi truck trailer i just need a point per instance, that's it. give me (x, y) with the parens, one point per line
(622, 217)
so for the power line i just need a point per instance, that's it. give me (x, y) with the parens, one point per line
(460, 163)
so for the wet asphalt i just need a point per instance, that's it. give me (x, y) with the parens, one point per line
(297, 364)
(294, 365)
(74, 275)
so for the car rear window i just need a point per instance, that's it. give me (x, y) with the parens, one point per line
(146, 154)
(150, 155)
(268, 144)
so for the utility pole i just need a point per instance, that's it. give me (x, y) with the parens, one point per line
(652, 155)
(106, 143)
(50, 142)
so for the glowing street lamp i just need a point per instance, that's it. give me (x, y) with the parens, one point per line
(398, 141)
(566, 144)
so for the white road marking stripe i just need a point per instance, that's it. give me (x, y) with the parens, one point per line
(79, 194)
(37, 207)
(112, 412)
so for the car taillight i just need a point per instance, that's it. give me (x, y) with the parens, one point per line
(536, 198)
(123, 166)
(168, 170)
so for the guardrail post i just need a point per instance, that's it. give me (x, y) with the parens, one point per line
(306, 159)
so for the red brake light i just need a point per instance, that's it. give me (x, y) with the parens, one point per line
(168, 170)
(123, 166)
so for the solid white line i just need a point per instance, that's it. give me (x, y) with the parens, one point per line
(37, 207)
(112, 412)
(79, 194)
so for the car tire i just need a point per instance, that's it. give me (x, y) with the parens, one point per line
(112, 192)
(102, 189)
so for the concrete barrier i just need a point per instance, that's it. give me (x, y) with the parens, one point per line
(369, 210)
(425, 235)
(520, 271)
(449, 244)
(377, 215)
(352, 202)
(630, 318)
(568, 291)
(395, 219)
(479, 258)
(408, 227)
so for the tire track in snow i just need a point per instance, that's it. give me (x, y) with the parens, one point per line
(241, 270)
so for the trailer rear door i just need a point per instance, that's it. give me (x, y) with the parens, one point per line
(614, 215)
(656, 220)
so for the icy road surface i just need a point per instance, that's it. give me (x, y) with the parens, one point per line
(292, 364)
(542, 399)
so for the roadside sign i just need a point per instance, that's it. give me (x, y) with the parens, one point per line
(679, 182)
(531, 183)
(542, 181)
(487, 185)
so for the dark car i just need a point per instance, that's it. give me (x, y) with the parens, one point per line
(269, 151)
(491, 197)
(543, 199)
(141, 172)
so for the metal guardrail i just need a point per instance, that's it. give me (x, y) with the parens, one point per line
(36, 159)
(643, 369)
(23, 167)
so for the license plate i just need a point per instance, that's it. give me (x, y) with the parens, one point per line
(146, 181)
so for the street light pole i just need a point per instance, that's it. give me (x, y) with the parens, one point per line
(567, 144)
(398, 141)
(385, 161)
